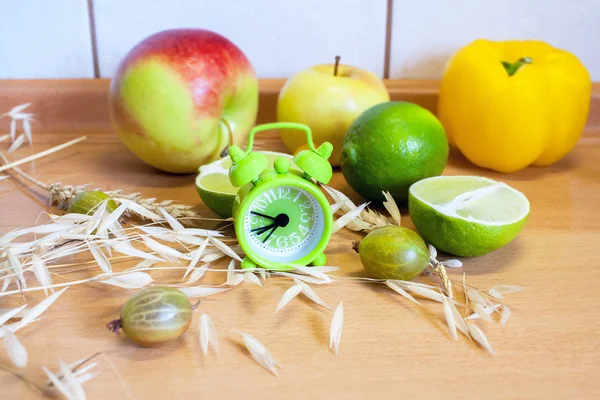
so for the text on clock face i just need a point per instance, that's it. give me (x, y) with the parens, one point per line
(283, 221)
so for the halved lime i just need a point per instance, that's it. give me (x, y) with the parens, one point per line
(214, 188)
(467, 215)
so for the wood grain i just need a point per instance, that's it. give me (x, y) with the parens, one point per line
(390, 347)
(80, 105)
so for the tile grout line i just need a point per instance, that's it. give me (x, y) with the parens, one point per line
(94, 42)
(388, 39)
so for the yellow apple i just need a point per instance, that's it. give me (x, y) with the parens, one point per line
(327, 102)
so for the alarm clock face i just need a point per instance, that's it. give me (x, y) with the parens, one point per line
(284, 224)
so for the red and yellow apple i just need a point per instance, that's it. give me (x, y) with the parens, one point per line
(327, 102)
(176, 93)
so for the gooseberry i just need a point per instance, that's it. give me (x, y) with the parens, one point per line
(154, 316)
(87, 201)
(393, 252)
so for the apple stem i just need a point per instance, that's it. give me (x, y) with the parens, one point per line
(230, 133)
(335, 67)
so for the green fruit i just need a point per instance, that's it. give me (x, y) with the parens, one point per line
(393, 252)
(86, 202)
(389, 147)
(467, 215)
(214, 188)
(154, 316)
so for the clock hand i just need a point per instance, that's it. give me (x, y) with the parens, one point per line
(262, 215)
(270, 233)
(262, 229)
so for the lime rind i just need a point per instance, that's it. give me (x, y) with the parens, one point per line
(464, 229)
(214, 188)
(490, 203)
(222, 167)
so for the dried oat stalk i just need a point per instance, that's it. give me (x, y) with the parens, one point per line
(107, 239)
(478, 304)
(18, 116)
(62, 195)
(362, 218)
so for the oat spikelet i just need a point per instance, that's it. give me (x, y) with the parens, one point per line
(504, 316)
(17, 267)
(17, 143)
(391, 206)
(481, 311)
(208, 334)
(131, 280)
(228, 251)
(41, 273)
(499, 291)
(68, 382)
(449, 317)
(251, 278)
(260, 353)
(62, 195)
(424, 292)
(336, 328)
(311, 294)
(11, 314)
(452, 263)
(288, 296)
(201, 291)
(372, 218)
(39, 309)
(480, 337)
(196, 254)
(16, 351)
(71, 381)
(432, 251)
(176, 210)
(440, 271)
(487, 310)
(459, 320)
(100, 258)
(398, 289)
(58, 384)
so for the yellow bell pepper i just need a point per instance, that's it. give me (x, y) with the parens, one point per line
(507, 105)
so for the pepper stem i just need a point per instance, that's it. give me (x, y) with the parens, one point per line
(512, 68)
(356, 245)
(337, 64)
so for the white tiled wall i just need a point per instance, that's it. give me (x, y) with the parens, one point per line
(279, 37)
(45, 39)
(426, 32)
(52, 39)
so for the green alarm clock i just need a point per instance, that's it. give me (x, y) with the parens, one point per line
(281, 216)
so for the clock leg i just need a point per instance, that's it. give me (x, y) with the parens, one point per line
(320, 260)
(248, 263)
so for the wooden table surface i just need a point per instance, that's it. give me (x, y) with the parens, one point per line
(391, 348)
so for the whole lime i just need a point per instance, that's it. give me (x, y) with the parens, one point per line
(393, 252)
(390, 146)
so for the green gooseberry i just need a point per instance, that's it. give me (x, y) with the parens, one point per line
(87, 201)
(393, 252)
(154, 316)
